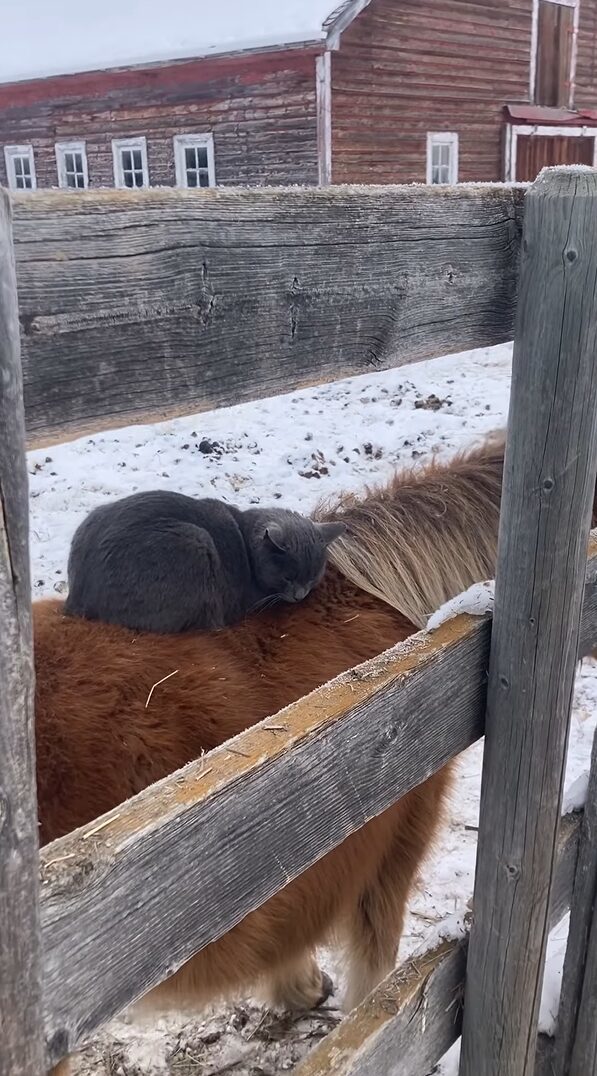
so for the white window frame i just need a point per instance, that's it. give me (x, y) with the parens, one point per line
(442, 138)
(191, 141)
(535, 44)
(118, 144)
(10, 153)
(513, 131)
(61, 149)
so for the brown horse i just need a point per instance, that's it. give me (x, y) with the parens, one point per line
(410, 546)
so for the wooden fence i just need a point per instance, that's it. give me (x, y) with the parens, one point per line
(316, 284)
(144, 305)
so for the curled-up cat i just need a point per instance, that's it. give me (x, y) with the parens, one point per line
(164, 562)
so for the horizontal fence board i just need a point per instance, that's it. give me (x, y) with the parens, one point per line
(232, 829)
(413, 1017)
(141, 305)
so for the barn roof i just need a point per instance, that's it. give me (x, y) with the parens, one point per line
(41, 38)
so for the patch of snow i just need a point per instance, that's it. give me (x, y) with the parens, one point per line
(40, 39)
(552, 980)
(448, 1065)
(476, 601)
(575, 796)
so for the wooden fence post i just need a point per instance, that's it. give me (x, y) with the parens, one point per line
(576, 1037)
(21, 1040)
(549, 476)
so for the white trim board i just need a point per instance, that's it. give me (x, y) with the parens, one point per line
(323, 88)
(340, 20)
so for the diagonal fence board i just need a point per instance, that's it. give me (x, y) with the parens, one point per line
(413, 1017)
(104, 947)
(151, 303)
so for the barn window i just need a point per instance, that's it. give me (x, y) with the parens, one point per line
(194, 160)
(130, 162)
(71, 160)
(442, 157)
(20, 168)
(555, 24)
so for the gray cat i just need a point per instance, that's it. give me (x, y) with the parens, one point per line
(165, 562)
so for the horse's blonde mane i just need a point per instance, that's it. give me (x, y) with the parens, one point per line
(425, 536)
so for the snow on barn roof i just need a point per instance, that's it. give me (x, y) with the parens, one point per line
(40, 38)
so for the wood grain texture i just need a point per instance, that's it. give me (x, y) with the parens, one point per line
(576, 1039)
(549, 481)
(152, 303)
(413, 1017)
(21, 1040)
(399, 717)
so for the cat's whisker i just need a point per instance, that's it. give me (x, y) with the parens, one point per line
(264, 603)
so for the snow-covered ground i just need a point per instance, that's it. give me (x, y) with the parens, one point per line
(292, 450)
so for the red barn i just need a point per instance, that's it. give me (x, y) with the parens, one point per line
(295, 91)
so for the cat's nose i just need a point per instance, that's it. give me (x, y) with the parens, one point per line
(301, 592)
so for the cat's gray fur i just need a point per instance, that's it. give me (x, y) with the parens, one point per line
(164, 562)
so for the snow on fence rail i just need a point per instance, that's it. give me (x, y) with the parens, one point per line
(159, 302)
(424, 701)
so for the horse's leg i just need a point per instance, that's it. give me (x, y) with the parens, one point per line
(374, 924)
(269, 951)
(299, 985)
(373, 929)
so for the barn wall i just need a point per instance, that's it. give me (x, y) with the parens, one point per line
(261, 110)
(405, 68)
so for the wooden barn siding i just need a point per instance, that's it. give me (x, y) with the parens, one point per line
(407, 68)
(585, 95)
(261, 110)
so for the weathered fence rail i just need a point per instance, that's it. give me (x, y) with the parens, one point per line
(123, 300)
(159, 302)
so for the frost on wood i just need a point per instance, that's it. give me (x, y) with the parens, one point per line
(476, 601)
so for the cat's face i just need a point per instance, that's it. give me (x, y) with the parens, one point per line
(292, 554)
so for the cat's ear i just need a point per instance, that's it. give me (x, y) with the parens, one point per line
(330, 531)
(274, 536)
